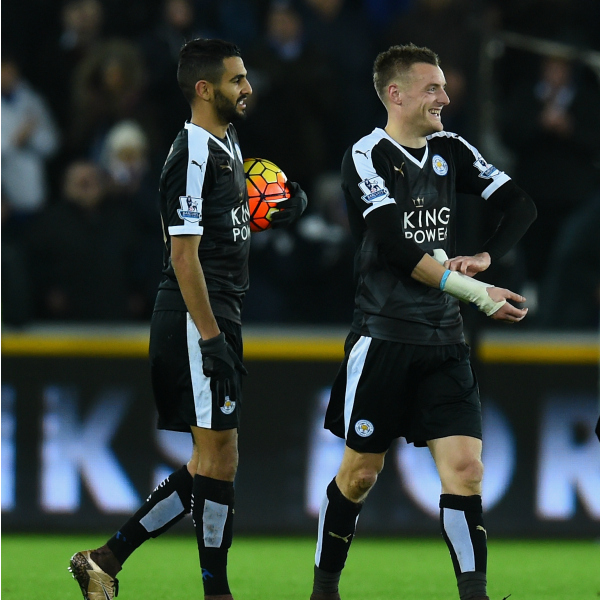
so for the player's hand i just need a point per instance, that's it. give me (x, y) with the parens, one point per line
(469, 265)
(507, 312)
(219, 363)
(291, 209)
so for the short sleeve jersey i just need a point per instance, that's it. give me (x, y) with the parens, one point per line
(377, 171)
(203, 192)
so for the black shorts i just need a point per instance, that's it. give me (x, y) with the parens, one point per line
(385, 390)
(181, 390)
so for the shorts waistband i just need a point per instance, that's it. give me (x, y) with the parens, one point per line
(169, 300)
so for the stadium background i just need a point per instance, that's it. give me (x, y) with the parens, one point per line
(74, 369)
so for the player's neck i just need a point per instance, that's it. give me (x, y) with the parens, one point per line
(404, 137)
(210, 123)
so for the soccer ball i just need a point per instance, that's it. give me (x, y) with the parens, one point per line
(266, 184)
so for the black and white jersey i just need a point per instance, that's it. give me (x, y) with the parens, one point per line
(377, 171)
(203, 192)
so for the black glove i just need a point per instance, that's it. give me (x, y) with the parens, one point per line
(219, 362)
(290, 209)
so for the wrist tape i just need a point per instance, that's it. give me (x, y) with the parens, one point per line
(468, 289)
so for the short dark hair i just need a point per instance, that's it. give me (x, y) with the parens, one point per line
(202, 59)
(396, 62)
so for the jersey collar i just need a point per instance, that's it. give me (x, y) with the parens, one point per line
(228, 148)
(408, 155)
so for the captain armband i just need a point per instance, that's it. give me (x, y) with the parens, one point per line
(468, 289)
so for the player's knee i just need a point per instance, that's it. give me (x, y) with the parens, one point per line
(469, 472)
(360, 483)
(220, 465)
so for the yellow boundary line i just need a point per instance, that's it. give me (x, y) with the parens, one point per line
(137, 347)
(291, 348)
(557, 353)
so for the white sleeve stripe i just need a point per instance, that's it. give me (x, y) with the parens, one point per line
(187, 229)
(499, 180)
(364, 166)
(388, 200)
(198, 152)
(363, 163)
(472, 148)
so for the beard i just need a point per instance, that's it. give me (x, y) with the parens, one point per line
(227, 110)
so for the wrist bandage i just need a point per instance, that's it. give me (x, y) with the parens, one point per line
(468, 289)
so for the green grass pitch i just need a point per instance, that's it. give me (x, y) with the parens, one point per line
(35, 567)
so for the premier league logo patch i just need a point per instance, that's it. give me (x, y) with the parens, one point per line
(190, 209)
(440, 166)
(486, 171)
(228, 407)
(374, 189)
(364, 428)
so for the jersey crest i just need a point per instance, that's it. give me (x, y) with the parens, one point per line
(440, 166)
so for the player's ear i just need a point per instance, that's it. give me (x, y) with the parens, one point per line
(204, 89)
(394, 94)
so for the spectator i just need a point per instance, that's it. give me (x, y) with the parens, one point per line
(29, 138)
(124, 157)
(570, 297)
(17, 308)
(325, 252)
(109, 86)
(339, 32)
(81, 253)
(548, 124)
(126, 160)
(160, 48)
(382, 12)
(236, 20)
(293, 99)
(451, 28)
(178, 22)
(300, 263)
(578, 22)
(81, 27)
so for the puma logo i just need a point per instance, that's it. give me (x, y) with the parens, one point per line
(363, 153)
(480, 528)
(341, 537)
(399, 169)
(226, 166)
(199, 165)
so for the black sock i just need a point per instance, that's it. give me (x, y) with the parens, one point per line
(337, 524)
(165, 506)
(212, 511)
(462, 528)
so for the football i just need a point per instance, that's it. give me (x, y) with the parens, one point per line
(266, 184)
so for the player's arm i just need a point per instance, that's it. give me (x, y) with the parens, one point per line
(219, 361)
(190, 277)
(475, 175)
(185, 197)
(491, 300)
(404, 256)
(518, 213)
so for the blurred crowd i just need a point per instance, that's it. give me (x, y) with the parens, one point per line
(90, 106)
